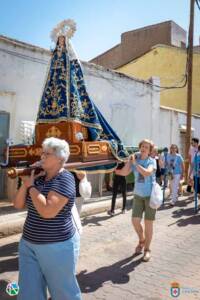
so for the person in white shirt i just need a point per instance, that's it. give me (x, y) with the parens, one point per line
(83, 190)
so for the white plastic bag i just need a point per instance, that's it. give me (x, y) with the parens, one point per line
(76, 219)
(156, 198)
(85, 188)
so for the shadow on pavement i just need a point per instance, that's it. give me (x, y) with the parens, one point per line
(9, 249)
(183, 203)
(183, 212)
(96, 220)
(11, 263)
(9, 209)
(193, 218)
(116, 273)
(179, 203)
(165, 206)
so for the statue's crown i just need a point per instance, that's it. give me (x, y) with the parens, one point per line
(65, 28)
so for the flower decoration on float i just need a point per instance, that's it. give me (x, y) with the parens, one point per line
(65, 28)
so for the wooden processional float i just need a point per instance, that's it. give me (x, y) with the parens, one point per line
(82, 153)
(66, 112)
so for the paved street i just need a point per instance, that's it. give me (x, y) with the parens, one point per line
(107, 268)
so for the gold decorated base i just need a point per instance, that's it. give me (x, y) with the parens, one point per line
(79, 152)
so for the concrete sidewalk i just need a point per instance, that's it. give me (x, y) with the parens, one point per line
(12, 220)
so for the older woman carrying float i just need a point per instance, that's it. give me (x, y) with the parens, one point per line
(144, 168)
(49, 247)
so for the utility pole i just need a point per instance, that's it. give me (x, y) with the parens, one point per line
(189, 86)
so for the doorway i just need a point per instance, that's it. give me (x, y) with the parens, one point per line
(4, 135)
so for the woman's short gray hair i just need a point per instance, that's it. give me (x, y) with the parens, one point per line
(59, 147)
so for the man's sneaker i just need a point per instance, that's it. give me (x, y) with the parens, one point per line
(111, 213)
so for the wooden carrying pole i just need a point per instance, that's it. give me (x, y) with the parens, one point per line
(17, 172)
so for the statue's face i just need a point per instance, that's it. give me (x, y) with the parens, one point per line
(61, 41)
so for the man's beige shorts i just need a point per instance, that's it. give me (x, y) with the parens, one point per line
(140, 205)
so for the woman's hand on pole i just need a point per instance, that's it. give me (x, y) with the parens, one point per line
(132, 159)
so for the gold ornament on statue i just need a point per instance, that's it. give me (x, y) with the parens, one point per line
(65, 28)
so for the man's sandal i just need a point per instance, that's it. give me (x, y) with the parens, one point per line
(140, 246)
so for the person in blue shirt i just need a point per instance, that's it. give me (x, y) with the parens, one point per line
(144, 168)
(175, 168)
(195, 169)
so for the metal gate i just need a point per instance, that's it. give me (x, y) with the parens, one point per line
(4, 134)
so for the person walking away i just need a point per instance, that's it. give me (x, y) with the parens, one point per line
(155, 155)
(119, 183)
(175, 169)
(163, 167)
(144, 168)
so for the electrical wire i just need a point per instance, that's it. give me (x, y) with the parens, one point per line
(198, 3)
(185, 76)
(176, 85)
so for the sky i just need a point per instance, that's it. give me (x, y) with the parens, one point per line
(100, 23)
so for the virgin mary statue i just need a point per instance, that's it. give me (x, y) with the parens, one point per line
(65, 96)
